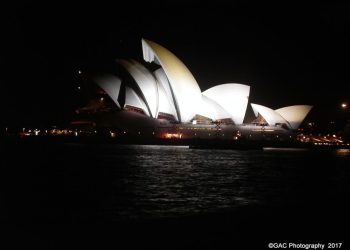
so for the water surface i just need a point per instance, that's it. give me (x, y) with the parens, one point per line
(114, 182)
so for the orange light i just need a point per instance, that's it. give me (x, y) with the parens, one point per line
(173, 135)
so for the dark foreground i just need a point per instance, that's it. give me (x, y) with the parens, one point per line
(241, 229)
(59, 196)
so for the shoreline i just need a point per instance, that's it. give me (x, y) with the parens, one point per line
(196, 143)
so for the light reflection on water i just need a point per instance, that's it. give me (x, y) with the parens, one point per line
(285, 149)
(343, 152)
(115, 182)
(161, 181)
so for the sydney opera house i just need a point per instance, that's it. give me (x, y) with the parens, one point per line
(162, 99)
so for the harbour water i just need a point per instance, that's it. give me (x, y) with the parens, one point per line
(148, 196)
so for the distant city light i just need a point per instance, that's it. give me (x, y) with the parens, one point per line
(79, 87)
(344, 105)
(79, 72)
(101, 99)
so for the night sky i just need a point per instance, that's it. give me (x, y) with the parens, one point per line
(288, 54)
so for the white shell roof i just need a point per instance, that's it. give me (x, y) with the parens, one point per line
(212, 109)
(111, 85)
(132, 99)
(165, 93)
(185, 89)
(294, 114)
(165, 106)
(146, 83)
(269, 115)
(233, 97)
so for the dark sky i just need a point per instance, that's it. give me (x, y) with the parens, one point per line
(288, 54)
